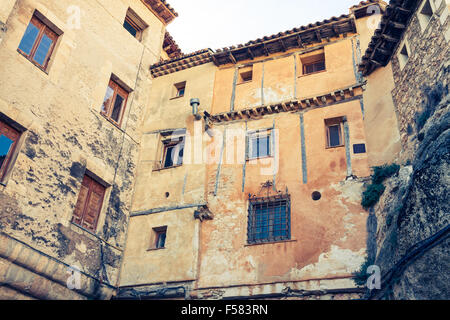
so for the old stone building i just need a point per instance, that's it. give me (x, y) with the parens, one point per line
(133, 171)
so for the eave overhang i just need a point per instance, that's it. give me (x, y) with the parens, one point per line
(283, 41)
(162, 10)
(388, 36)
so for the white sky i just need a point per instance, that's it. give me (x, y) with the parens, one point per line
(222, 23)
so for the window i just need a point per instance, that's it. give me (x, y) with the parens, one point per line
(403, 55)
(245, 74)
(359, 148)
(334, 132)
(89, 204)
(8, 141)
(269, 219)
(180, 89)
(172, 149)
(425, 13)
(134, 25)
(313, 63)
(259, 144)
(114, 102)
(38, 42)
(159, 238)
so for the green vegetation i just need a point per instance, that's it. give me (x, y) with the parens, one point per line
(374, 191)
(360, 276)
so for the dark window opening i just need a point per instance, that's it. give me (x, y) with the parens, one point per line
(245, 74)
(38, 43)
(8, 141)
(160, 234)
(359, 148)
(173, 154)
(180, 89)
(314, 67)
(134, 25)
(334, 132)
(89, 204)
(114, 102)
(313, 64)
(269, 220)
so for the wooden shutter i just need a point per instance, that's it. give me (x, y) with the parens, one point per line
(89, 204)
(82, 199)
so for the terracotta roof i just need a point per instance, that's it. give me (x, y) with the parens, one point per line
(162, 10)
(171, 47)
(364, 8)
(295, 38)
(180, 63)
(386, 38)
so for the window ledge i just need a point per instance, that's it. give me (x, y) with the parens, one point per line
(115, 124)
(172, 167)
(179, 97)
(309, 74)
(269, 242)
(154, 249)
(244, 82)
(259, 158)
(339, 146)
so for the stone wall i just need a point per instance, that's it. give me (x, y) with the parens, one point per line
(413, 213)
(66, 136)
(426, 68)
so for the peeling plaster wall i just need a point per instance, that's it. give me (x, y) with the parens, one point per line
(66, 134)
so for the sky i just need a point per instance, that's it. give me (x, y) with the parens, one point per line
(222, 23)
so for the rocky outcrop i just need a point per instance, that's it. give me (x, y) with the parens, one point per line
(413, 218)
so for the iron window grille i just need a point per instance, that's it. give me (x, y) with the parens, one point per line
(269, 219)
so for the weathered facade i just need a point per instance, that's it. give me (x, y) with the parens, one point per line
(234, 173)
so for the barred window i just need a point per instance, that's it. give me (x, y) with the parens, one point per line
(269, 219)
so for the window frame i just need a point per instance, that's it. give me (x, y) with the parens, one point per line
(90, 183)
(5, 167)
(244, 73)
(252, 226)
(313, 59)
(136, 23)
(169, 143)
(118, 89)
(332, 122)
(422, 16)
(258, 134)
(43, 29)
(178, 87)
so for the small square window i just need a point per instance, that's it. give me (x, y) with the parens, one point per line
(259, 144)
(245, 74)
(159, 238)
(9, 138)
(89, 204)
(425, 13)
(359, 148)
(180, 89)
(39, 41)
(134, 25)
(114, 102)
(172, 149)
(403, 56)
(314, 63)
(334, 132)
